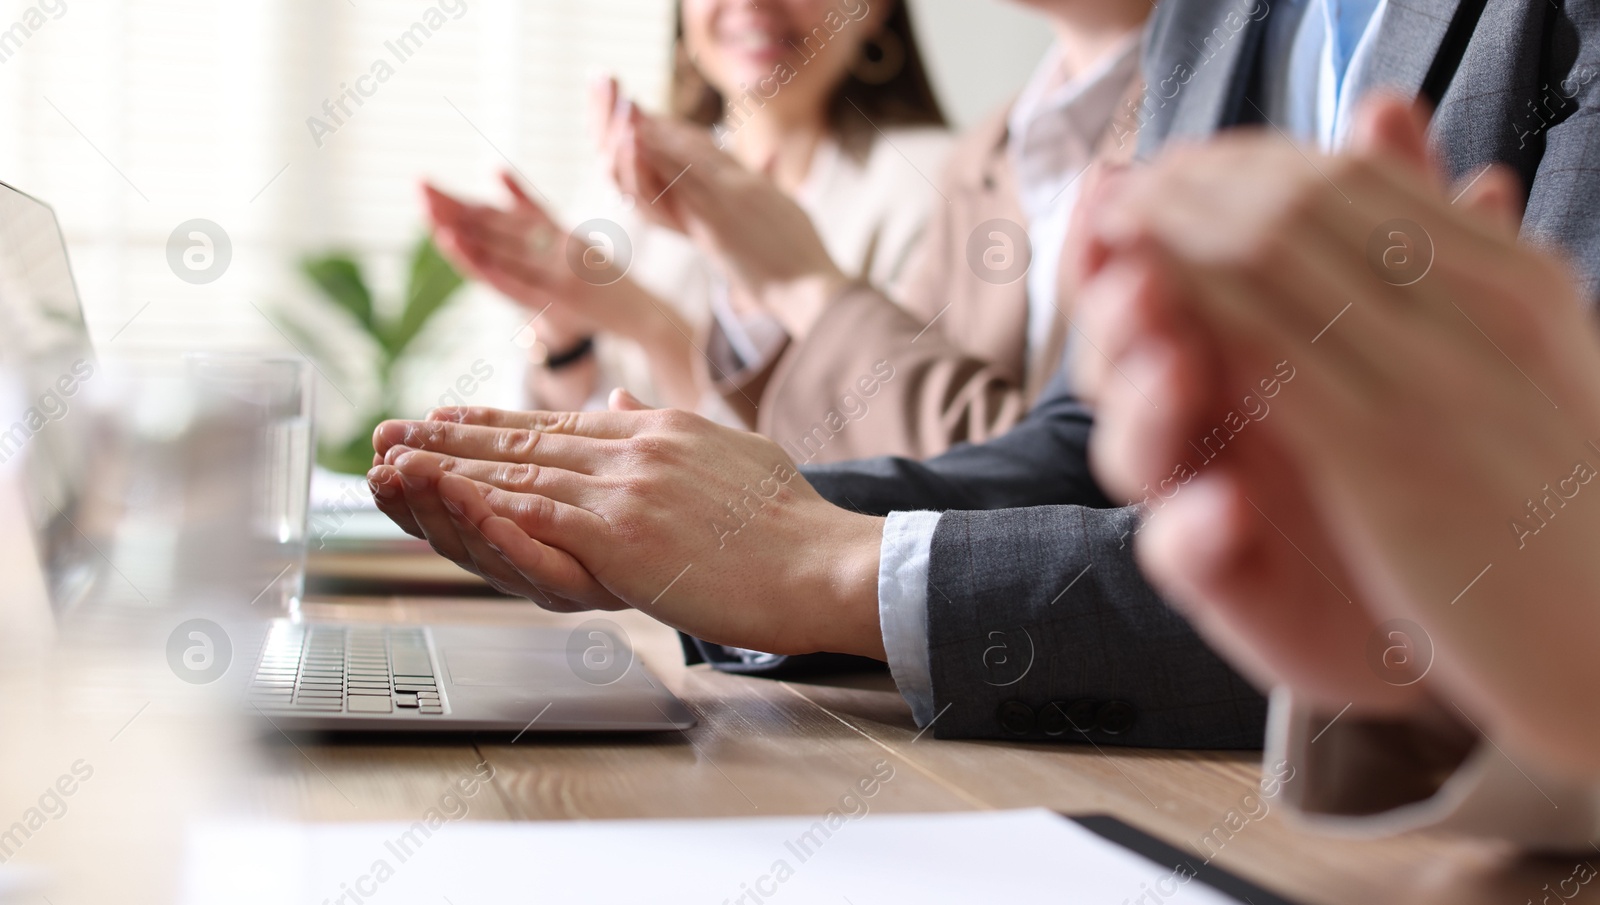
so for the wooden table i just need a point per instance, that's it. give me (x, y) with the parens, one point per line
(766, 747)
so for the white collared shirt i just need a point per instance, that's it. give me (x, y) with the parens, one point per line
(1055, 125)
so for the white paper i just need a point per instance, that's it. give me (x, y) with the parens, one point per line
(343, 514)
(335, 492)
(873, 859)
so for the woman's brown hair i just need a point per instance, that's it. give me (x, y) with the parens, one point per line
(891, 90)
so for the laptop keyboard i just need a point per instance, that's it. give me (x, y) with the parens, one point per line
(346, 669)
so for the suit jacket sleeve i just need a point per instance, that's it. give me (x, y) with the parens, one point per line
(1554, 127)
(1563, 195)
(1041, 627)
(936, 393)
(1041, 461)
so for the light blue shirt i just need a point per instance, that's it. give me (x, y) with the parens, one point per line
(1315, 64)
(1315, 57)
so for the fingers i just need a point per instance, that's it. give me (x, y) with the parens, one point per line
(1337, 346)
(484, 558)
(1198, 549)
(460, 537)
(1287, 272)
(631, 177)
(623, 401)
(519, 249)
(1082, 256)
(550, 572)
(432, 520)
(482, 229)
(448, 211)
(462, 256)
(443, 209)
(1254, 572)
(1184, 193)
(1496, 194)
(673, 145)
(486, 561)
(517, 276)
(655, 151)
(524, 234)
(600, 425)
(1123, 305)
(555, 483)
(448, 508)
(549, 568)
(686, 160)
(659, 169)
(581, 533)
(518, 196)
(483, 258)
(1139, 443)
(1389, 125)
(471, 441)
(1148, 372)
(603, 96)
(387, 492)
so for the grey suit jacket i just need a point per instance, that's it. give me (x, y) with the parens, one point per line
(1515, 82)
(1040, 625)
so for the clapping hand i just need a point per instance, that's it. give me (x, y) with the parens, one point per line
(1443, 376)
(522, 252)
(679, 178)
(709, 529)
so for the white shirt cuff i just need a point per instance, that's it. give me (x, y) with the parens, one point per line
(743, 343)
(903, 606)
(1488, 795)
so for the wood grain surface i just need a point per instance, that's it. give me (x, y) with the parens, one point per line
(766, 747)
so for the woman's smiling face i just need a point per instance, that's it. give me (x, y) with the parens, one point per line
(738, 44)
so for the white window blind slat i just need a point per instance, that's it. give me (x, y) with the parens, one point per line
(199, 105)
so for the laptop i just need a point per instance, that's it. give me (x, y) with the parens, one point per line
(296, 674)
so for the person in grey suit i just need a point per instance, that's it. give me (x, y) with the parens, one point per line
(1204, 72)
(1421, 593)
(1020, 614)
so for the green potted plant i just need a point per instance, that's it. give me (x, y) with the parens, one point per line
(342, 284)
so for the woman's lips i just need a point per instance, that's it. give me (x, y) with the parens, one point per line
(763, 46)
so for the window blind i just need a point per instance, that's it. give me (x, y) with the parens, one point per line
(297, 127)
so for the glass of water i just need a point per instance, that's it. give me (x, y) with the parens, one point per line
(257, 413)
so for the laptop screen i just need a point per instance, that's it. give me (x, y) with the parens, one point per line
(45, 351)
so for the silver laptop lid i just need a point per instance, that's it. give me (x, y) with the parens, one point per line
(45, 351)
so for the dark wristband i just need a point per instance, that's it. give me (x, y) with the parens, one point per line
(555, 361)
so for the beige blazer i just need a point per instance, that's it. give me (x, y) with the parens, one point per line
(943, 366)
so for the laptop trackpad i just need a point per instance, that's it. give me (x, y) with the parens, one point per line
(502, 667)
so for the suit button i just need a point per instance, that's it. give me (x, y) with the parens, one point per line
(1080, 714)
(1015, 717)
(1053, 718)
(1116, 717)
